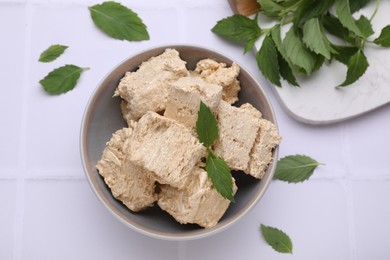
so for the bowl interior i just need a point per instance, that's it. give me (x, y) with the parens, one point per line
(103, 117)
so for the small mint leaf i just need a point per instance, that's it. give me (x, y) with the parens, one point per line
(61, 80)
(238, 28)
(277, 239)
(52, 53)
(220, 175)
(206, 125)
(384, 37)
(295, 168)
(267, 61)
(118, 21)
(357, 66)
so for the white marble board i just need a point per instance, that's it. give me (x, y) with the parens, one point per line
(318, 101)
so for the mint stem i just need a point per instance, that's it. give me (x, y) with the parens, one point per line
(375, 11)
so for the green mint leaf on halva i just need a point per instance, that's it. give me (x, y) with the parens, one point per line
(277, 239)
(118, 21)
(267, 60)
(298, 53)
(216, 168)
(220, 176)
(315, 39)
(52, 53)
(295, 168)
(206, 125)
(357, 66)
(61, 80)
(343, 12)
(238, 28)
(384, 37)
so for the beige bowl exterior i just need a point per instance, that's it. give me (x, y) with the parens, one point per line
(103, 117)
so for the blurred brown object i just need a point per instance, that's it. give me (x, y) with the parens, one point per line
(245, 7)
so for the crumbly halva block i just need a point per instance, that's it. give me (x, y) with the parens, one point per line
(197, 203)
(218, 73)
(184, 98)
(147, 88)
(128, 182)
(267, 139)
(237, 134)
(246, 140)
(166, 148)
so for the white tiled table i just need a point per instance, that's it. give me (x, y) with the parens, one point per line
(48, 210)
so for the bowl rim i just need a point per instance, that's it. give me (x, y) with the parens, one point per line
(135, 226)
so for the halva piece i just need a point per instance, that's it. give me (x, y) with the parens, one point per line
(197, 203)
(184, 98)
(218, 73)
(246, 140)
(147, 88)
(128, 182)
(166, 148)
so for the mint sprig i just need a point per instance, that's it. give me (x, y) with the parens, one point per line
(306, 46)
(216, 168)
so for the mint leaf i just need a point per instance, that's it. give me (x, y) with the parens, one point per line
(285, 68)
(309, 9)
(206, 125)
(118, 21)
(238, 28)
(295, 168)
(357, 65)
(343, 12)
(315, 39)
(333, 25)
(270, 8)
(286, 71)
(297, 52)
(267, 61)
(344, 53)
(384, 37)
(52, 53)
(365, 26)
(62, 79)
(220, 176)
(277, 239)
(356, 5)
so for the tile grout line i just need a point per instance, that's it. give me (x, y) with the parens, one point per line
(346, 183)
(19, 214)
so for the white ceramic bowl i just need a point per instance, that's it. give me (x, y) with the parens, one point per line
(103, 117)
